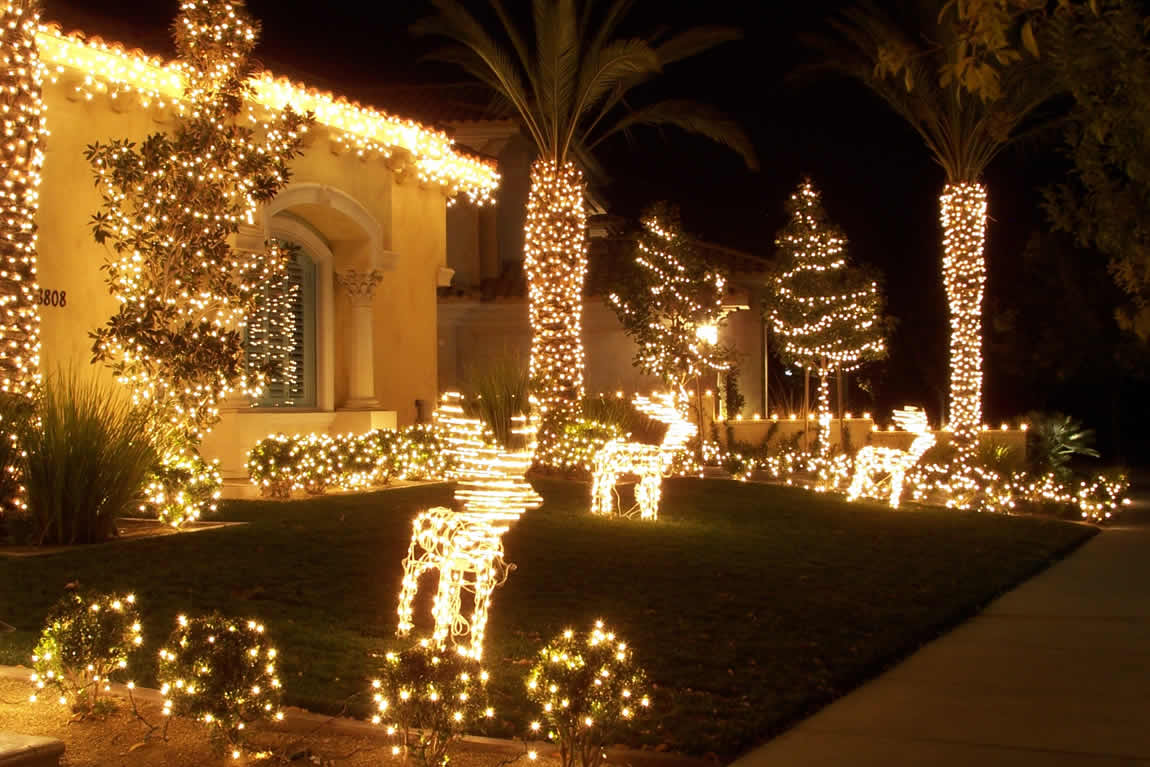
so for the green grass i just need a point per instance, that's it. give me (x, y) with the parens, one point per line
(749, 605)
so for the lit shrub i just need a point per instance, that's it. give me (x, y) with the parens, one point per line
(86, 642)
(578, 443)
(272, 465)
(319, 464)
(428, 698)
(590, 691)
(220, 672)
(183, 488)
(421, 453)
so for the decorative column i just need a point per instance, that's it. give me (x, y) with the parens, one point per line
(360, 289)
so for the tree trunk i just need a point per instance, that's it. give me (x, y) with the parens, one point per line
(823, 440)
(806, 407)
(963, 208)
(555, 260)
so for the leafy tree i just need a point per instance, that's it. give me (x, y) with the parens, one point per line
(674, 293)
(1103, 61)
(170, 208)
(569, 83)
(827, 315)
(909, 64)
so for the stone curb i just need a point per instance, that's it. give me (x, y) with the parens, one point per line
(301, 722)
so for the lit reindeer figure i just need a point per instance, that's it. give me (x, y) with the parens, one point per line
(648, 462)
(874, 466)
(466, 546)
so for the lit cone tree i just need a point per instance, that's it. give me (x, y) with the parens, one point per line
(22, 156)
(171, 206)
(673, 294)
(569, 82)
(827, 315)
(910, 64)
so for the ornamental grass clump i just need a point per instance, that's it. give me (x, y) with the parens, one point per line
(428, 698)
(86, 461)
(85, 643)
(590, 691)
(221, 672)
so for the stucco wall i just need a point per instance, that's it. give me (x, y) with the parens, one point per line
(353, 206)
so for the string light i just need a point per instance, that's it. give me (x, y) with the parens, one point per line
(556, 265)
(825, 314)
(963, 210)
(108, 70)
(169, 209)
(280, 464)
(465, 547)
(880, 471)
(673, 310)
(648, 462)
(21, 157)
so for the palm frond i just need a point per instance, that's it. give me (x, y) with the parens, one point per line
(620, 61)
(691, 117)
(694, 41)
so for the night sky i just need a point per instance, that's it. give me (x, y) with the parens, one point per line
(878, 181)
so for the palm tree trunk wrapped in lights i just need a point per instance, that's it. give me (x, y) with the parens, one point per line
(908, 60)
(569, 81)
(964, 274)
(556, 265)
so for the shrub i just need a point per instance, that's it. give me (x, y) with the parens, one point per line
(272, 465)
(87, 461)
(85, 642)
(421, 453)
(500, 390)
(589, 690)
(182, 488)
(621, 413)
(221, 672)
(428, 698)
(1053, 439)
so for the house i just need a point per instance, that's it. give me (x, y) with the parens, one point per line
(367, 207)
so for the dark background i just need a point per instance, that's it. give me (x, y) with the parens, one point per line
(1051, 342)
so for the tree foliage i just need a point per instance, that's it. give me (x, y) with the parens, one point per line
(570, 81)
(674, 292)
(170, 208)
(826, 314)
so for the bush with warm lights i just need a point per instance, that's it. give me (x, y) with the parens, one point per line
(182, 488)
(589, 690)
(86, 641)
(221, 672)
(428, 698)
(272, 465)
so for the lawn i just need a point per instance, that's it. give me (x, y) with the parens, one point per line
(749, 605)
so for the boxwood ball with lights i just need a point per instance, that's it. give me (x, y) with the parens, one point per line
(221, 672)
(589, 690)
(86, 642)
(427, 698)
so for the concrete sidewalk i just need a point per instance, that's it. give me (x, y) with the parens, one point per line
(1055, 673)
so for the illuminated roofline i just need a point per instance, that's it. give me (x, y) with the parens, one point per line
(108, 67)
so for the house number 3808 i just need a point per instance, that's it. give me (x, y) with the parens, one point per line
(53, 297)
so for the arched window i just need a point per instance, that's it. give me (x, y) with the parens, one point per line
(283, 332)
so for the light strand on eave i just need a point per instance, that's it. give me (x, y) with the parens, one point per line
(111, 70)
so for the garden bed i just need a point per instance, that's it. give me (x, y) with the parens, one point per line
(750, 605)
(127, 529)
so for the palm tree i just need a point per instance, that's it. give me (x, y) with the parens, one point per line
(907, 66)
(569, 86)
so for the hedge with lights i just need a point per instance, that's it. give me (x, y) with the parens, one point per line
(221, 672)
(589, 689)
(279, 464)
(171, 206)
(428, 698)
(85, 643)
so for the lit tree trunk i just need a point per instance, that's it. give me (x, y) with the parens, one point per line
(21, 157)
(823, 438)
(556, 265)
(964, 274)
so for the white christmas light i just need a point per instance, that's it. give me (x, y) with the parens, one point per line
(880, 471)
